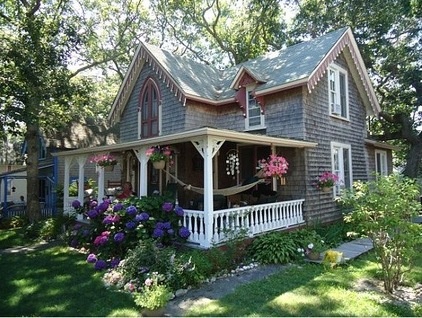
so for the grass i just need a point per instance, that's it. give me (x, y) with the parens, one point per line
(57, 282)
(12, 237)
(310, 290)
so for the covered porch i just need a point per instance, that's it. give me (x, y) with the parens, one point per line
(209, 221)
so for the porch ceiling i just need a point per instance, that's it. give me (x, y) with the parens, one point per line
(224, 134)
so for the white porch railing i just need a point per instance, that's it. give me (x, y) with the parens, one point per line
(68, 208)
(253, 220)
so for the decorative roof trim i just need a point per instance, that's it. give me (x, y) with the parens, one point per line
(239, 75)
(142, 56)
(229, 135)
(347, 39)
(382, 145)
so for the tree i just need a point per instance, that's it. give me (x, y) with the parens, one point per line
(221, 32)
(36, 43)
(388, 33)
(383, 210)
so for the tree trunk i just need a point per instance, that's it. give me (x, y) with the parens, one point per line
(413, 160)
(33, 210)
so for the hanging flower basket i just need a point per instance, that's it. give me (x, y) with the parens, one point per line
(109, 168)
(159, 164)
(160, 155)
(274, 166)
(106, 161)
(326, 181)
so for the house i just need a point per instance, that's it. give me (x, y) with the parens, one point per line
(309, 103)
(13, 182)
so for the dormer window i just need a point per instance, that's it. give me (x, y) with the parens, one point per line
(338, 92)
(149, 110)
(254, 113)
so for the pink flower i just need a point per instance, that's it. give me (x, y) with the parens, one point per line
(274, 166)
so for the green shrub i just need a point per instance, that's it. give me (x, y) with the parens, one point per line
(383, 210)
(274, 248)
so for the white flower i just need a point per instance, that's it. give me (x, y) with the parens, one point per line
(310, 246)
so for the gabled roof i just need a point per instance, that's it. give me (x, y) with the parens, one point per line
(301, 64)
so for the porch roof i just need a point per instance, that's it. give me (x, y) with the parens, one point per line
(222, 134)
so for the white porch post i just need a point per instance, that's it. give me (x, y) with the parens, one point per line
(101, 193)
(143, 170)
(208, 147)
(67, 162)
(81, 181)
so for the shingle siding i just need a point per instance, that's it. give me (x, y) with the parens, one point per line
(324, 129)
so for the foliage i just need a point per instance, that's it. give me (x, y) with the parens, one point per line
(221, 32)
(116, 227)
(386, 39)
(326, 180)
(383, 210)
(153, 294)
(104, 160)
(274, 166)
(158, 153)
(273, 248)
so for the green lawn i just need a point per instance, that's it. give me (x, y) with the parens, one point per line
(57, 282)
(12, 237)
(313, 291)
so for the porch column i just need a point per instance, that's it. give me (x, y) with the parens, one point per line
(81, 181)
(100, 194)
(67, 162)
(208, 147)
(143, 170)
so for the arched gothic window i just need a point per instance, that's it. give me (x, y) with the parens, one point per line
(149, 110)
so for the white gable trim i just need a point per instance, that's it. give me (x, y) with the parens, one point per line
(363, 81)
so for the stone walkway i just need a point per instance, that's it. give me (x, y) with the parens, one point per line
(350, 249)
(226, 285)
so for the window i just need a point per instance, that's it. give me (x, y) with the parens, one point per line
(341, 158)
(254, 116)
(381, 162)
(338, 92)
(149, 110)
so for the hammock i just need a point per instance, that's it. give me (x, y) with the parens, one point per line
(224, 191)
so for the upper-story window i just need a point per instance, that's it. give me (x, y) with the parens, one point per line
(338, 91)
(254, 114)
(341, 156)
(381, 162)
(149, 110)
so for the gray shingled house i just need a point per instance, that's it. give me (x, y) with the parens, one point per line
(309, 103)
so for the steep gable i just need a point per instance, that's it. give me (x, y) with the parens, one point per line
(301, 64)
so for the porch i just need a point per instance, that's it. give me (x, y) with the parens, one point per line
(199, 167)
(247, 221)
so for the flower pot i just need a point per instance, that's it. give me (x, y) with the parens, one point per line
(159, 164)
(326, 189)
(314, 256)
(159, 312)
(108, 168)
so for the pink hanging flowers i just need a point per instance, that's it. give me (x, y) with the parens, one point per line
(274, 166)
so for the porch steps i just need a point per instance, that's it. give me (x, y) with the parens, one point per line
(350, 250)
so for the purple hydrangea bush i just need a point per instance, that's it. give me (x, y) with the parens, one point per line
(115, 227)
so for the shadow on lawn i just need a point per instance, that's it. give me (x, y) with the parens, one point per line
(56, 282)
(310, 291)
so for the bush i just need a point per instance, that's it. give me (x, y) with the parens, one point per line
(274, 248)
(383, 210)
(116, 227)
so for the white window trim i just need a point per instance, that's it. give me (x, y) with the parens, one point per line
(337, 70)
(341, 185)
(384, 162)
(262, 116)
